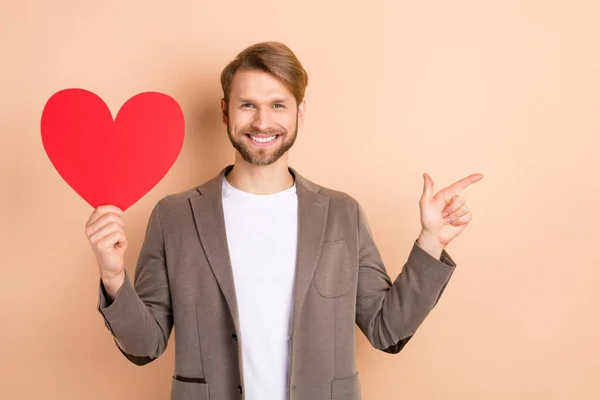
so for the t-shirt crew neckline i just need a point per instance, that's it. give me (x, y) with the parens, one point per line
(231, 191)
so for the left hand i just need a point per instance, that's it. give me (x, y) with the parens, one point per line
(445, 204)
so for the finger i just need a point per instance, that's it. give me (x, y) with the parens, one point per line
(101, 222)
(463, 210)
(100, 211)
(455, 203)
(427, 188)
(456, 187)
(465, 219)
(116, 238)
(105, 231)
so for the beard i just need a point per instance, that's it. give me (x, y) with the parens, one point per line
(262, 157)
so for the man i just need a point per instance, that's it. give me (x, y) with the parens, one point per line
(261, 272)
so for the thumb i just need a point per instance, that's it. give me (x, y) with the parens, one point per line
(427, 188)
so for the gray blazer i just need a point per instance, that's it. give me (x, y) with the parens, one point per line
(183, 280)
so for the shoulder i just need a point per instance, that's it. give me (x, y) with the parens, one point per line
(174, 206)
(337, 198)
(181, 199)
(178, 199)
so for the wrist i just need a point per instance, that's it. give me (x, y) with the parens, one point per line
(430, 244)
(112, 283)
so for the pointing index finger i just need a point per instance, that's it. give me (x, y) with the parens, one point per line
(456, 187)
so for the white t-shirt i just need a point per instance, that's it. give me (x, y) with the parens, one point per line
(262, 233)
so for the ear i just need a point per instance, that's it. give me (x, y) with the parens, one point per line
(224, 111)
(301, 113)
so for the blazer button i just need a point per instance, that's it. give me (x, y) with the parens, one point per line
(240, 389)
(234, 336)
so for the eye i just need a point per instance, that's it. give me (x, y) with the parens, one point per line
(247, 105)
(279, 105)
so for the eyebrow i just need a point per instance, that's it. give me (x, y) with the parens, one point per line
(275, 100)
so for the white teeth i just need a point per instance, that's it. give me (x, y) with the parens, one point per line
(262, 139)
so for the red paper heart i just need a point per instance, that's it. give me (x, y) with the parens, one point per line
(112, 162)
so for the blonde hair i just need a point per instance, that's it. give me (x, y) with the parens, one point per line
(274, 58)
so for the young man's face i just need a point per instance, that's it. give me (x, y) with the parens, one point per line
(262, 117)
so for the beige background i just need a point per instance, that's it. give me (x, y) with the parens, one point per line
(510, 89)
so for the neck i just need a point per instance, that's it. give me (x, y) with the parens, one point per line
(266, 179)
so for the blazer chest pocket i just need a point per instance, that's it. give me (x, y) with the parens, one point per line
(334, 276)
(189, 389)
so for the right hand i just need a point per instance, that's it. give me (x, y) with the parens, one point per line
(105, 232)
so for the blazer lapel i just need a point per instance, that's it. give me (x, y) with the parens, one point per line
(313, 208)
(210, 223)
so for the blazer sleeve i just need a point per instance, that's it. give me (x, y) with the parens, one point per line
(140, 318)
(390, 313)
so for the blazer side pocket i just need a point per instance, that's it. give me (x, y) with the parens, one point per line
(346, 388)
(334, 275)
(189, 380)
(183, 388)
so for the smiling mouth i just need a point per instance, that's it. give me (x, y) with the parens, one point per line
(262, 140)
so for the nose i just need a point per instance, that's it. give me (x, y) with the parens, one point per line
(261, 119)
